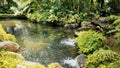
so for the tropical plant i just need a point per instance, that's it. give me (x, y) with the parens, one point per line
(22, 6)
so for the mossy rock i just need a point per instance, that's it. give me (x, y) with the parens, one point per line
(15, 60)
(89, 41)
(11, 60)
(4, 36)
(101, 58)
(54, 65)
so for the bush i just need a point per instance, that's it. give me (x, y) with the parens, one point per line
(4, 36)
(101, 58)
(114, 64)
(89, 41)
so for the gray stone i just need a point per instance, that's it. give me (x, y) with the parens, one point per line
(81, 59)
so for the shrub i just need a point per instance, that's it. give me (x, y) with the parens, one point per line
(115, 64)
(89, 41)
(4, 36)
(101, 58)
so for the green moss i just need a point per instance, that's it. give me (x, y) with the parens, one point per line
(11, 60)
(4, 36)
(14, 60)
(89, 41)
(101, 58)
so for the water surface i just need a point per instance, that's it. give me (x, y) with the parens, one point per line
(42, 43)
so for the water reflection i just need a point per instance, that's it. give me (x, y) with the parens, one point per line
(42, 43)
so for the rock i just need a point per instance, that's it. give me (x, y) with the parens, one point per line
(86, 25)
(81, 59)
(17, 54)
(71, 26)
(103, 19)
(10, 46)
(55, 65)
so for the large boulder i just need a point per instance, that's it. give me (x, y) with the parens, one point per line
(9, 46)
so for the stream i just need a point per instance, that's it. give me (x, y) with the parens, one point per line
(42, 43)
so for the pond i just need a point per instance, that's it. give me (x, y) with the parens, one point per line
(42, 43)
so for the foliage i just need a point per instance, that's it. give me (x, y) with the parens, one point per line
(101, 58)
(22, 6)
(7, 57)
(4, 36)
(117, 39)
(89, 41)
(115, 64)
(67, 11)
(113, 17)
(116, 22)
(5, 6)
(115, 6)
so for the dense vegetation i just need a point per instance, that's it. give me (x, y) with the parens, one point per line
(66, 11)
(89, 41)
(98, 54)
(98, 21)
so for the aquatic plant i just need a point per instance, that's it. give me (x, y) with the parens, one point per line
(89, 41)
